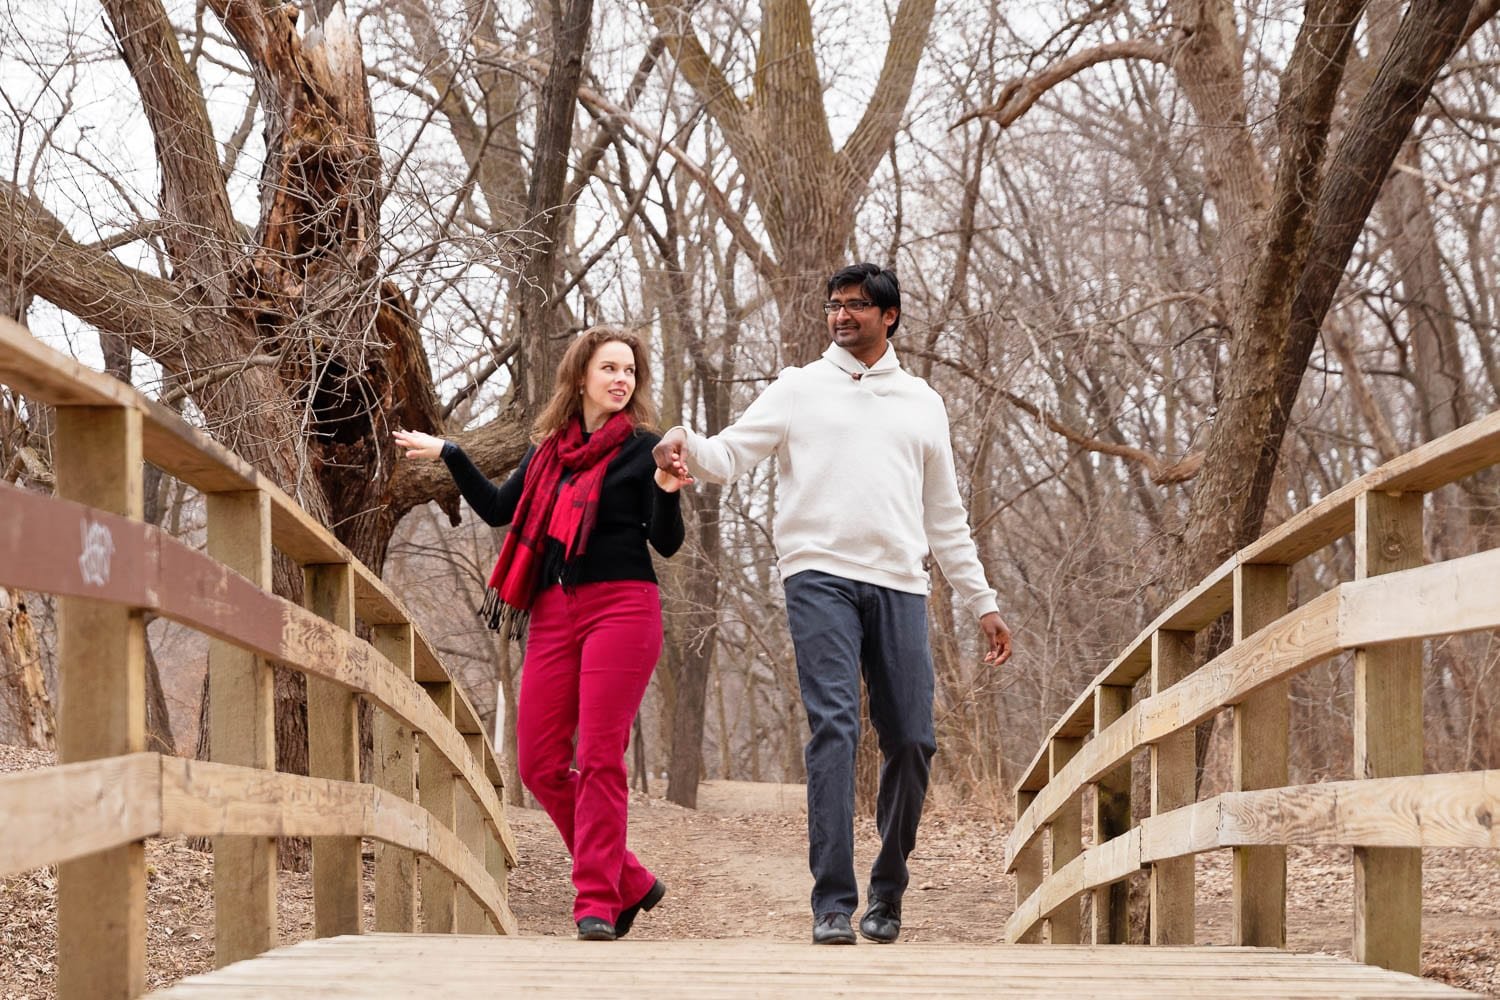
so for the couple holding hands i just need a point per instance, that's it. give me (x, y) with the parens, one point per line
(866, 488)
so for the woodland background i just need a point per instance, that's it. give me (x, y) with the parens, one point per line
(1179, 268)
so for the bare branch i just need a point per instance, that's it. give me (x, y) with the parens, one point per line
(44, 259)
(200, 231)
(707, 79)
(1017, 96)
(198, 381)
(1161, 471)
(882, 118)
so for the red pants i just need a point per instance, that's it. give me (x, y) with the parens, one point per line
(589, 656)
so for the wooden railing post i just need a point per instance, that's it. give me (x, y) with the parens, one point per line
(494, 855)
(1065, 840)
(101, 899)
(333, 752)
(1260, 761)
(471, 918)
(395, 767)
(1028, 868)
(435, 788)
(242, 730)
(1172, 786)
(1111, 912)
(1388, 740)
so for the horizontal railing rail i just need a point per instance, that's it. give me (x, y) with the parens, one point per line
(1389, 814)
(434, 804)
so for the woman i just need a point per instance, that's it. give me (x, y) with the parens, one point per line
(574, 576)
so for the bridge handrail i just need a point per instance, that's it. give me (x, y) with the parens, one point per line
(89, 547)
(185, 453)
(1382, 616)
(62, 813)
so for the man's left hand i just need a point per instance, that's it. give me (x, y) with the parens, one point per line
(996, 637)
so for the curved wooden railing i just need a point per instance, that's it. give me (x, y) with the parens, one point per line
(91, 814)
(1388, 814)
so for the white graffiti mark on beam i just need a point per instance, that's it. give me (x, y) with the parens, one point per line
(98, 550)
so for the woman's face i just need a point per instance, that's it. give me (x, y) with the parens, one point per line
(608, 383)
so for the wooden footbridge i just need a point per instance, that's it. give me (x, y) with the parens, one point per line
(434, 810)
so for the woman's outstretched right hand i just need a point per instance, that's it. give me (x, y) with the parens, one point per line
(419, 445)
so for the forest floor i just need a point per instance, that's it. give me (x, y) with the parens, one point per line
(737, 867)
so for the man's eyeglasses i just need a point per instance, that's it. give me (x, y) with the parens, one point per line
(853, 305)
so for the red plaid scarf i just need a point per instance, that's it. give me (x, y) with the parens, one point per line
(553, 505)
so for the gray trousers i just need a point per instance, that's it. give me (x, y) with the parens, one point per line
(843, 630)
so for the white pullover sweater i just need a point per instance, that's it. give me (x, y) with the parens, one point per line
(867, 485)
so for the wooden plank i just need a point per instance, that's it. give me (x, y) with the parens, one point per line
(1447, 459)
(431, 670)
(1427, 601)
(101, 666)
(186, 453)
(242, 731)
(37, 371)
(1388, 739)
(1307, 531)
(57, 814)
(41, 542)
(1259, 760)
(204, 799)
(1416, 811)
(333, 752)
(467, 968)
(1101, 866)
(1027, 865)
(1110, 923)
(1419, 811)
(1172, 785)
(494, 861)
(296, 534)
(395, 771)
(1065, 839)
(438, 796)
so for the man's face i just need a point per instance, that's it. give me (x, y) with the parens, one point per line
(859, 326)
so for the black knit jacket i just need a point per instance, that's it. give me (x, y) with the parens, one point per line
(632, 511)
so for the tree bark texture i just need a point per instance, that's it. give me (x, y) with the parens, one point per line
(1226, 510)
(305, 289)
(539, 311)
(808, 192)
(22, 683)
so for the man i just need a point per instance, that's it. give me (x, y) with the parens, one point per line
(866, 489)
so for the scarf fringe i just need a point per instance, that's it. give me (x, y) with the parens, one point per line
(501, 617)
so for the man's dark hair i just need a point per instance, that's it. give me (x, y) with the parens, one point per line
(878, 284)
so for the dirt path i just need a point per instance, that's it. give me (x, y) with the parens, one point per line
(737, 867)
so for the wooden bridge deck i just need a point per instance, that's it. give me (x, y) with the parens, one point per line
(450, 967)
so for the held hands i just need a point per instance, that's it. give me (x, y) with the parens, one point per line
(996, 638)
(671, 463)
(419, 445)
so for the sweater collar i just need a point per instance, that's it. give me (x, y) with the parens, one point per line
(850, 365)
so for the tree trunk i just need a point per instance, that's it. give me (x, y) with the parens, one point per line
(1270, 354)
(807, 192)
(24, 687)
(695, 660)
(539, 312)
